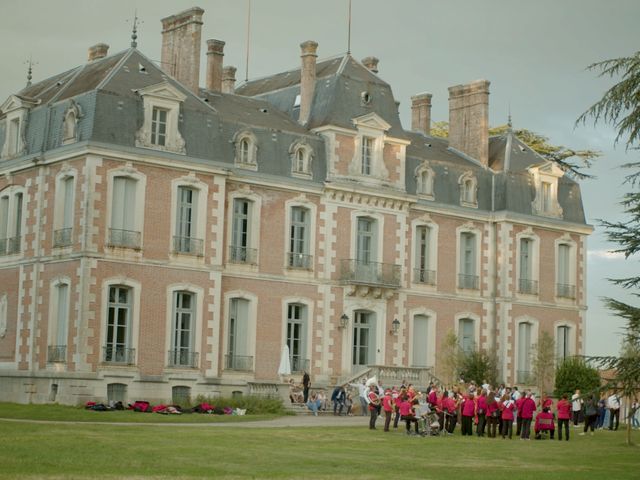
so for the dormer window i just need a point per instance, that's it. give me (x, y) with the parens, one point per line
(366, 155)
(545, 179)
(161, 104)
(546, 197)
(70, 124)
(14, 136)
(301, 156)
(246, 150)
(468, 190)
(15, 111)
(425, 177)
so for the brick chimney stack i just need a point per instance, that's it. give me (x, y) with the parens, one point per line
(371, 63)
(421, 113)
(307, 79)
(181, 38)
(97, 51)
(229, 79)
(469, 119)
(215, 53)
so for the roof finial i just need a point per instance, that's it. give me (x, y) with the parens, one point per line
(134, 33)
(30, 70)
(349, 32)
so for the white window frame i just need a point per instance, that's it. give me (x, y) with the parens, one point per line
(476, 327)
(534, 259)
(139, 208)
(370, 126)
(308, 344)
(301, 155)
(134, 322)
(433, 249)
(14, 228)
(54, 319)
(425, 179)
(251, 324)
(378, 232)
(197, 320)
(432, 322)
(254, 223)
(468, 184)
(549, 173)
(572, 267)
(167, 97)
(311, 207)
(468, 229)
(200, 214)
(70, 131)
(4, 314)
(533, 340)
(60, 213)
(249, 159)
(572, 335)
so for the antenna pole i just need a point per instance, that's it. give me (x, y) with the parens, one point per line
(246, 70)
(134, 34)
(349, 31)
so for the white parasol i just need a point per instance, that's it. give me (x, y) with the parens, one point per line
(285, 363)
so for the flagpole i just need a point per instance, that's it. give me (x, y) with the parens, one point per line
(349, 31)
(246, 70)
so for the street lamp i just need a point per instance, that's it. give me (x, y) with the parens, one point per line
(395, 326)
(344, 321)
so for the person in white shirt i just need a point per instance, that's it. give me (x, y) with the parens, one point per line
(576, 407)
(362, 396)
(613, 404)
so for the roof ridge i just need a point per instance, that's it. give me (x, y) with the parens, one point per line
(110, 75)
(80, 69)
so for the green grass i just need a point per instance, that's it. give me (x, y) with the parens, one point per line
(31, 450)
(79, 414)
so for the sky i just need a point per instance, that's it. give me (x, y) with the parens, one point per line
(534, 53)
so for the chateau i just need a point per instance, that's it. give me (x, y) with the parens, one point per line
(160, 240)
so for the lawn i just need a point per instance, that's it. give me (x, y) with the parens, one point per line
(30, 450)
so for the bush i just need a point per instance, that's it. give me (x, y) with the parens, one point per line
(479, 366)
(253, 404)
(573, 374)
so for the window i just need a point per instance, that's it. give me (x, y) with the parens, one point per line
(467, 335)
(467, 277)
(118, 339)
(246, 145)
(63, 234)
(565, 287)
(468, 190)
(159, 126)
(240, 250)
(238, 357)
(117, 392)
(14, 136)
(57, 350)
(524, 353)
(425, 182)
(366, 155)
(296, 336)
(3, 315)
(363, 348)
(299, 239)
(186, 223)
(546, 197)
(526, 282)
(545, 179)
(244, 151)
(424, 271)
(123, 231)
(563, 342)
(301, 155)
(11, 205)
(183, 331)
(181, 395)
(365, 243)
(69, 127)
(421, 341)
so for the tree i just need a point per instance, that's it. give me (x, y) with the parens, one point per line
(543, 362)
(570, 160)
(573, 374)
(449, 359)
(620, 107)
(480, 366)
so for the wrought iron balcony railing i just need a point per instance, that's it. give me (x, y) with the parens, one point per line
(370, 273)
(529, 287)
(118, 354)
(468, 282)
(238, 362)
(188, 246)
(243, 255)
(427, 277)
(124, 238)
(566, 291)
(57, 353)
(299, 260)
(183, 358)
(10, 246)
(62, 237)
(299, 364)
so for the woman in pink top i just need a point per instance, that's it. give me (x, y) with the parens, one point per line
(507, 407)
(406, 411)
(468, 411)
(528, 407)
(481, 411)
(492, 415)
(545, 402)
(564, 415)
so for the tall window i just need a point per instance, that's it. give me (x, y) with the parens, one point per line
(240, 251)
(14, 136)
(546, 197)
(123, 220)
(524, 352)
(467, 191)
(467, 278)
(365, 246)
(296, 336)
(467, 335)
(245, 152)
(10, 223)
(238, 357)
(420, 341)
(366, 155)
(186, 218)
(424, 272)
(118, 340)
(565, 286)
(526, 283)
(363, 339)
(62, 236)
(563, 348)
(182, 344)
(159, 126)
(299, 239)
(60, 324)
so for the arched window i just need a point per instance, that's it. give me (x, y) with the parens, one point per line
(246, 150)
(468, 190)
(301, 156)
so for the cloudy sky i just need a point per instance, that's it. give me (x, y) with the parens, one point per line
(534, 54)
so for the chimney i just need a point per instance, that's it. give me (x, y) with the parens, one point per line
(307, 79)
(469, 119)
(215, 52)
(99, 50)
(181, 36)
(371, 63)
(229, 80)
(421, 113)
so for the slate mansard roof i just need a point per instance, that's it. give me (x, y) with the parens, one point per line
(105, 91)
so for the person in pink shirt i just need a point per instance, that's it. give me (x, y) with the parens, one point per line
(507, 409)
(544, 422)
(481, 411)
(526, 414)
(433, 397)
(564, 415)
(492, 415)
(407, 414)
(387, 407)
(468, 411)
(519, 403)
(545, 402)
